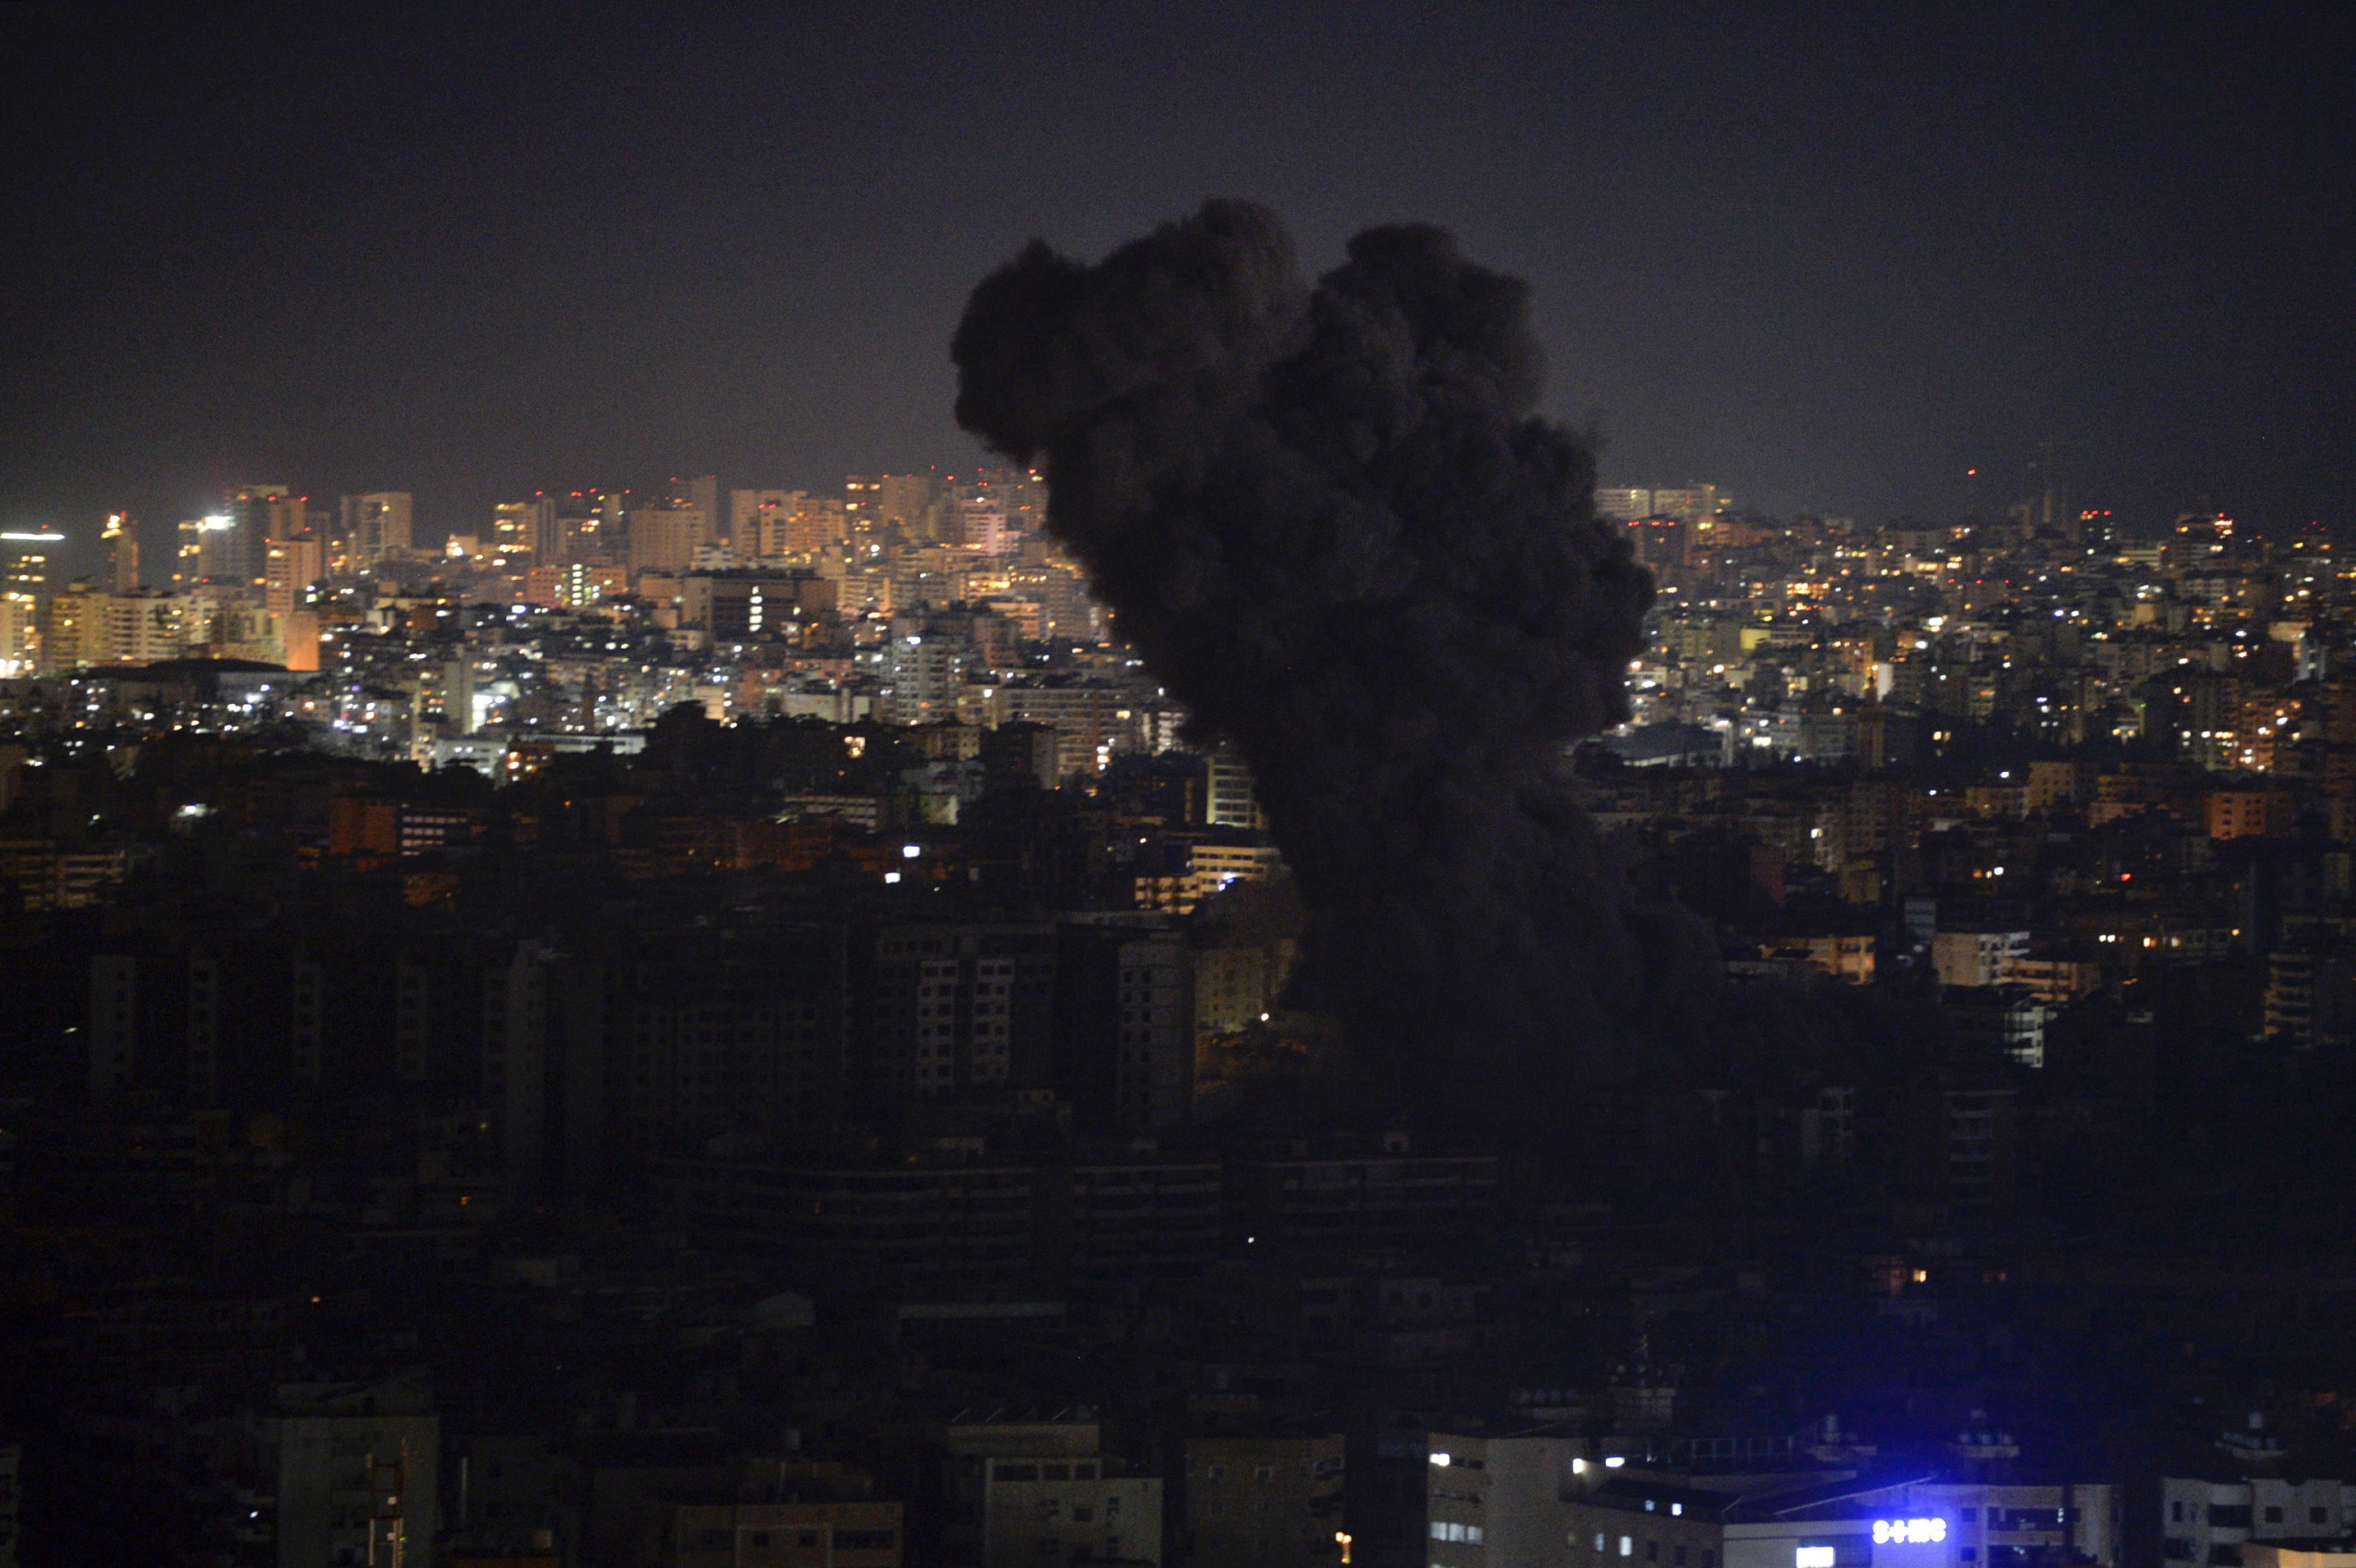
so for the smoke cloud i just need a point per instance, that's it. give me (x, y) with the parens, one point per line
(1327, 520)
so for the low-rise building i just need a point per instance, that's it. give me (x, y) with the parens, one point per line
(2225, 1515)
(1827, 1520)
(1502, 1499)
(784, 1535)
(1041, 1511)
(1265, 1501)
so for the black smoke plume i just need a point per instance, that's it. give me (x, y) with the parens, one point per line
(1328, 521)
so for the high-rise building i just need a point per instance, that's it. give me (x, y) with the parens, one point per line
(1233, 800)
(29, 556)
(526, 526)
(817, 523)
(250, 516)
(145, 626)
(1021, 755)
(447, 687)
(925, 663)
(907, 499)
(665, 538)
(591, 526)
(74, 630)
(121, 542)
(756, 521)
(288, 568)
(24, 587)
(734, 1030)
(950, 1008)
(981, 525)
(1687, 503)
(208, 551)
(1153, 1052)
(19, 636)
(2049, 507)
(864, 503)
(1622, 504)
(701, 493)
(269, 511)
(376, 526)
(1017, 492)
(1661, 542)
(84, 625)
(247, 631)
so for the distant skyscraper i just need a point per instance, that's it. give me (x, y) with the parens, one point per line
(982, 527)
(19, 637)
(271, 512)
(703, 494)
(817, 522)
(28, 554)
(665, 538)
(1687, 503)
(143, 627)
(526, 525)
(907, 499)
(24, 586)
(2049, 506)
(206, 551)
(73, 629)
(290, 567)
(1622, 504)
(121, 540)
(592, 528)
(376, 526)
(1017, 492)
(862, 502)
(256, 514)
(756, 521)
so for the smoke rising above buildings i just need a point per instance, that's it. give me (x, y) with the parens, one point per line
(1326, 517)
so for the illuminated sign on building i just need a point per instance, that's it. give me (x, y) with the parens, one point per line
(1888, 1532)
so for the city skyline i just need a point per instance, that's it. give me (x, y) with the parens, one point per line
(1654, 866)
(1986, 495)
(1829, 264)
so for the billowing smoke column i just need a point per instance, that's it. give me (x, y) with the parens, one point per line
(1327, 520)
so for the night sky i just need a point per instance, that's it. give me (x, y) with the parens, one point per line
(1828, 258)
